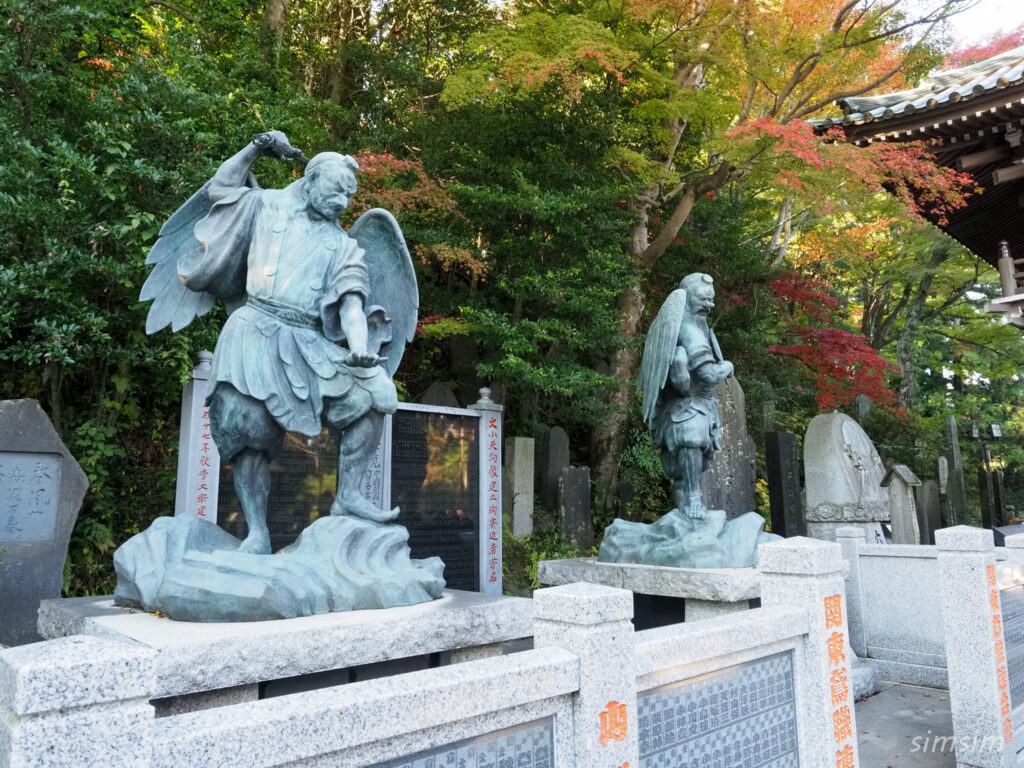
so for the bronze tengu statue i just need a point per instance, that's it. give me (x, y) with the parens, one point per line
(319, 318)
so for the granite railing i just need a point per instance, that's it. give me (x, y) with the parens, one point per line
(770, 684)
(899, 629)
(984, 625)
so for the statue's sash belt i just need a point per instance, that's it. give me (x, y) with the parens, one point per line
(287, 315)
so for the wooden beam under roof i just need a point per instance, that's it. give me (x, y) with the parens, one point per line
(1007, 174)
(986, 156)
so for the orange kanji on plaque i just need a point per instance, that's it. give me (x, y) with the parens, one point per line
(842, 725)
(613, 723)
(1007, 730)
(839, 686)
(1002, 679)
(991, 571)
(993, 600)
(997, 626)
(624, 765)
(1004, 704)
(844, 757)
(836, 652)
(833, 611)
(1000, 652)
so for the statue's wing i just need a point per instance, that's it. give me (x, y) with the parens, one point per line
(659, 350)
(173, 303)
(392, 279)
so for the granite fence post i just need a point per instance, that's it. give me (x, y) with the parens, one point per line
(1014, 545)
(850, 539)
(807, 572)
(593, 622)
(975, 649)
(76, 701)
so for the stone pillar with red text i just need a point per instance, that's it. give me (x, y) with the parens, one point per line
(975, 648)
(490, 493)
(809, 572)
(594, 622)
(198, 459)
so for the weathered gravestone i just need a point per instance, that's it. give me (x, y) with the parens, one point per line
(552, 458)
(999, 516)
(900, 481)
(986, 495)
(843, 473)
(782, 464)
(41, 491)
(517, 479)
(729, 482)
(956, 488)
(928, 511)
(574, 507)
(438, 394)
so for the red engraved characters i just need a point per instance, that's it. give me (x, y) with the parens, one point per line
(614, 724)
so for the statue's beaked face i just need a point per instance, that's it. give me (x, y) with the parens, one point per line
(701, 301)
(331, 189)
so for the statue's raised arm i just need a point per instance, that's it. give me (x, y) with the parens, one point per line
(181, 244)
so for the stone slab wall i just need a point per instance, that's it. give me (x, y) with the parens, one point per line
(593, 694)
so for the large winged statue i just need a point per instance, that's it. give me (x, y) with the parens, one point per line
(319, 317)
(681, 366)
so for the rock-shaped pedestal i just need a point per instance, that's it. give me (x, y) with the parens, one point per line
(680, 541)
(191, 570)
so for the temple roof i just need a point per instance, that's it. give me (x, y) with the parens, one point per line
(972, 118)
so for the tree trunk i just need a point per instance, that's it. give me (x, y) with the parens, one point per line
(275, 14)
(607, 438)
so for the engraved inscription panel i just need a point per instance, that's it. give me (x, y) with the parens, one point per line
(741, 717)
(29, 495)
(1012, 604)
(434, 481)
(530, 745)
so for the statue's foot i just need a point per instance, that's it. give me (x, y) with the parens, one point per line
(256, 543)
(360, 506)
(695, 510)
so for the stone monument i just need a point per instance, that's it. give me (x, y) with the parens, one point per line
(318, 322)
(681, 367)
(843, 475)
(729, 482)
(41, 491)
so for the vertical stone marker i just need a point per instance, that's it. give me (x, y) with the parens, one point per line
(956, 488)
(843, 473)
(785, 496)
(901, 481)
(517, 478)
(928, 511)
(574, 507)
(198, 459)
(553, 457)
(41, 492)
(729, 482)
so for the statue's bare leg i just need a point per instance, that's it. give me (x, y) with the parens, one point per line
(247, 436)
(357, 442)
(690, 462)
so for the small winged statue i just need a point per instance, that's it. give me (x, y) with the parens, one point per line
(319, 317)
(682, 364)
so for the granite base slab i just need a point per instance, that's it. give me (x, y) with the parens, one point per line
(718, 585)
(200, 657)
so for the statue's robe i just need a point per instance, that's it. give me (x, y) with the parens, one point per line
(689, 419)
(282, 345)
